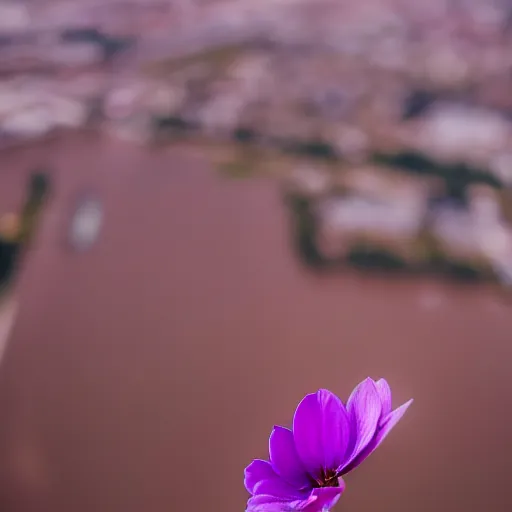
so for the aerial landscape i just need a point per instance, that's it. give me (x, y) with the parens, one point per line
(211, 208)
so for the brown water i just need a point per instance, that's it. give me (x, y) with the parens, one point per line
(145, 374)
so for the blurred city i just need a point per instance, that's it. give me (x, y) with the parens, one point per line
(210, 208)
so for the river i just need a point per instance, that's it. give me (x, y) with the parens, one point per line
(144, 374)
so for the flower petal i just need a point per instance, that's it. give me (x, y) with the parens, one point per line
(384, 429)
(364, 408)
(319, 500)
(277, 487)
(260, 478)
(285, 460)
(327, 497)
(391, 420)
(385, 396)
(266, 503)
(257, 471)
(321, 431)
(307, 434)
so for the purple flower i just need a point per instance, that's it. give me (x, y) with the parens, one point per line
(328, 440)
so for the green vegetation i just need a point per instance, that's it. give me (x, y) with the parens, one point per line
(459, 173)
(364, 256)
(245, 135)
(38, 190)
(171, 124)
(218, 58)
(317, 149)
(11, 244)
(304, 230)
(8, 255)
(238, 169)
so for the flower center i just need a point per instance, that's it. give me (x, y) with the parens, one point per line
(329, 478)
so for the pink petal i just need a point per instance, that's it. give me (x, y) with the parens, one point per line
(279, 488)
(321, 431)
(364, 408)
(386, 426)
(267, 503)
(385, 396)
(260, 478)
(327, 497)
(318, 500)
(285, 460)
(257, 471)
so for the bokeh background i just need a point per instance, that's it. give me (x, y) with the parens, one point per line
(211, 208)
